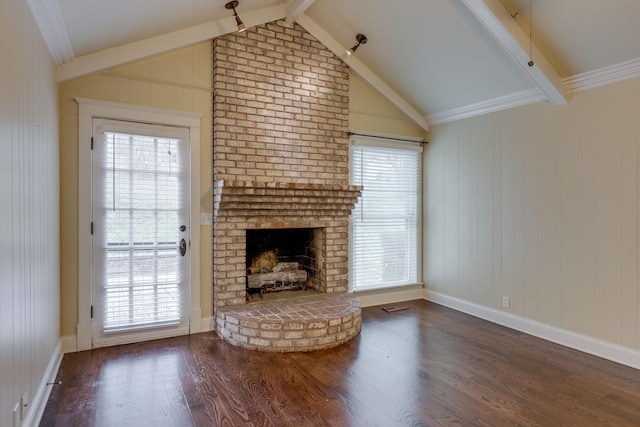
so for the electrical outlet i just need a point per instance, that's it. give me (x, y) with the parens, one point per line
(24, 405)
(505, 301)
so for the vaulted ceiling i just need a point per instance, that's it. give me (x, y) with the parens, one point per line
(435, 60)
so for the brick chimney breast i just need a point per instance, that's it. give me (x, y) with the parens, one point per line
(280, 149)
(280, 108)
(280, 160)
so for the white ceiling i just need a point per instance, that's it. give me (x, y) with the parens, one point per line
(434, 58)
(578, 36)
(94, 25)
(435, 53)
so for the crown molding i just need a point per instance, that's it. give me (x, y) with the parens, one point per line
(589, 80)
(603, 76)
(48, 17)
(496, 104)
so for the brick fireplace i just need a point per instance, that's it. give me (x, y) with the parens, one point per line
(281, 261)
(280, 161)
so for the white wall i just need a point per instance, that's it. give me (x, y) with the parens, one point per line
(541, 204)
(29, 219)
(372, 114)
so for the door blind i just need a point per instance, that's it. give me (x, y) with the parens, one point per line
(138, 207)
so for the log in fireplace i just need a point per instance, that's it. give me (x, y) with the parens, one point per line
(288, 259)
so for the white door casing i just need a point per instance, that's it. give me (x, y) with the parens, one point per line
(94, 109)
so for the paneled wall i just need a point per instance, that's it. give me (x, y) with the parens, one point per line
(179, 80)
(541, 204)
(29, 272)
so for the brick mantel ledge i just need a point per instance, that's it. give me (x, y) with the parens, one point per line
(248, 198)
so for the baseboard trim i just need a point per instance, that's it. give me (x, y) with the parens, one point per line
(390, 295)
(195, 321)
(208, 324)
(606, 350)
(69, 344)
(39, 402)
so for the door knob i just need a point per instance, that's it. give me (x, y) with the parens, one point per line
(183, 247)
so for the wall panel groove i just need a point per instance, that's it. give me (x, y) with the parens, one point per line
(547, 212)
(29, 210)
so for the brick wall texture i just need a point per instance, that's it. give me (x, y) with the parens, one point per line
(280, 132)
(280, 107)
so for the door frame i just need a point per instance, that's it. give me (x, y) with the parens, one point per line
(88, 109)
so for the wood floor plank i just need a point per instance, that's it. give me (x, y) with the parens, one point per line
(425, 366)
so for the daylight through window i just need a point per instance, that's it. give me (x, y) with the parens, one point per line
(385, 230)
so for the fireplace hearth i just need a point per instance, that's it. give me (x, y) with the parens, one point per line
(285, 228)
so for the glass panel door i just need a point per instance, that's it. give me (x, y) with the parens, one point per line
(140, 231)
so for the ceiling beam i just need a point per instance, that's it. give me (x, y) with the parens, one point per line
(364, 73)
(498, 21)
(294, 8)
(119, 55)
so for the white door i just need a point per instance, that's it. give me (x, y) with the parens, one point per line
(140, 232)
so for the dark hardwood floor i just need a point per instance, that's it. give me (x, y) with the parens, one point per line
(428, 365)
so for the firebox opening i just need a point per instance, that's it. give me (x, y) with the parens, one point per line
(287, 259)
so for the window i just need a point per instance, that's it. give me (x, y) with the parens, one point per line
(385, 224)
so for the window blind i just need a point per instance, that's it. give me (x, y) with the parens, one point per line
(138, 212)
(385, 226)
